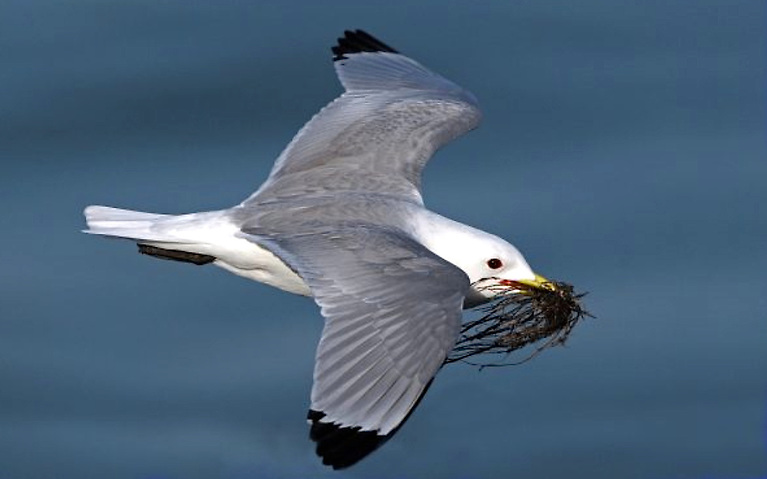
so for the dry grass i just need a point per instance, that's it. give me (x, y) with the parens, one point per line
(526, 316)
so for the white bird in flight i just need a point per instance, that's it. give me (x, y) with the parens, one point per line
(341, 219)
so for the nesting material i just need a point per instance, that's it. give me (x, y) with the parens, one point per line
(540, 317)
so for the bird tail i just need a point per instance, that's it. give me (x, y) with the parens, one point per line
(180, 238)
(119, 223)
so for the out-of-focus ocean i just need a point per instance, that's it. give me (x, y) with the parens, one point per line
(623, 150)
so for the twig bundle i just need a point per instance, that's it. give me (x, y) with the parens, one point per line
(524, 316)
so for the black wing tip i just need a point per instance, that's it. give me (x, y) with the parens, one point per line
(356, 41)
(342, 446)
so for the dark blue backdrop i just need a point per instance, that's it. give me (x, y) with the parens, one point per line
(623, 150)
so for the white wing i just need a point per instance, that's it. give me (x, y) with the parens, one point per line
(378, 135)
(392, 314)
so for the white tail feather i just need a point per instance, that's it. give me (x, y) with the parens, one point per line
(136, 225)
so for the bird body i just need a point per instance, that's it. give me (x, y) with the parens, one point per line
(341, 219)
(219, 234)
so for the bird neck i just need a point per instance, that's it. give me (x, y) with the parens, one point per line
(448, 239)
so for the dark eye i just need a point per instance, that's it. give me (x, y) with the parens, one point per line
(494, 263)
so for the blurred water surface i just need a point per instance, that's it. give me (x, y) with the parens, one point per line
(623, 150)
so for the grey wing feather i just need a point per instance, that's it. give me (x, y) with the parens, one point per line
(392, 313)
(378, 135)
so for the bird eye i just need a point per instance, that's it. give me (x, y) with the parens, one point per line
(494, 263)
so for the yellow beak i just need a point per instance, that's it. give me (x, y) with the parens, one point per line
(538, 282)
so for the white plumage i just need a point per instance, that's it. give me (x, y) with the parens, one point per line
(341, 219)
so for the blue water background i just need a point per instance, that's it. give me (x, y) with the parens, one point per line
(623, 150)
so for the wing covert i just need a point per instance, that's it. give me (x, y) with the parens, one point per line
(379, 134)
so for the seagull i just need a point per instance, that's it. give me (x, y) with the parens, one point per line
(341, 219)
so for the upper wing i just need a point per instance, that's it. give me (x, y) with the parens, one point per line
(379, 134)
(392, 314)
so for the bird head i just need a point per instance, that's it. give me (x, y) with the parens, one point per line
(496, 267)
